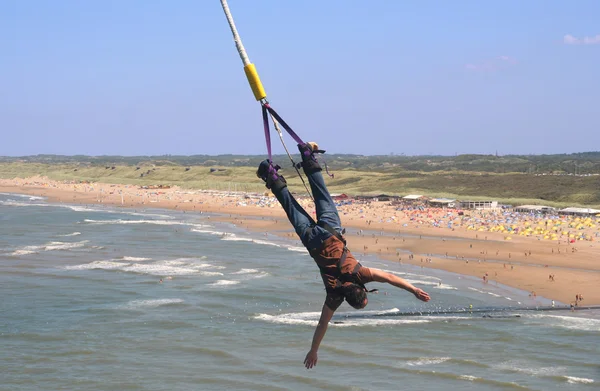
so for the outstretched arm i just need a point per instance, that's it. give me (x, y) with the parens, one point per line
(392, 279)
(311, 358)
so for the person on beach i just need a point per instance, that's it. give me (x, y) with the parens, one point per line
(343, 276)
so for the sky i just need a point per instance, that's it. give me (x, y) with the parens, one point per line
(375, 77)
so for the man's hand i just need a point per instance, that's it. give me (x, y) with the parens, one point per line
(311, 359)
(421, 294)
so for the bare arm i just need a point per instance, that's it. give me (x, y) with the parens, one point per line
(392, 279)
(311, 357)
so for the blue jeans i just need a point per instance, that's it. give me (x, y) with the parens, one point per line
(311, 235)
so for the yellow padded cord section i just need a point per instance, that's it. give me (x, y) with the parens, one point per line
(257, 87)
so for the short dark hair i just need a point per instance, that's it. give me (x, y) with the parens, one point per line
(355, 295)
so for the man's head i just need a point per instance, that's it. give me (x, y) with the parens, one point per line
(355, 295)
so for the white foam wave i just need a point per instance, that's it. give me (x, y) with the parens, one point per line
(159, 268)
(71, 234)
(260, 275)
(152, 222)
(376, 312)
(266, 243)
(570, 322)
(153, 303)
(193, 262)
(468, 377)
(224, 282)
(30, 197)
(15, 203)
(297, 249)
(51, 246)
(136, 259)
(378, 322)
(312, 319)
(211, 232)
(72, 207)
(245, 271)
(427, 361)
(445, 286)
(233, 238)
(574, 380)
(163, 269)
(158, 216)
(520, 366)
(421, 282)
(106, 265)
(76, 208)
(483, 292)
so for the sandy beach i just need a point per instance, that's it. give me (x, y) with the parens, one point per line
(550, 256)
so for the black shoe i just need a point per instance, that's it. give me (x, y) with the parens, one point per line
(268, 173)
(309, 161)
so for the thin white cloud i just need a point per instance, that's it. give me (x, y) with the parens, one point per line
(571, 40)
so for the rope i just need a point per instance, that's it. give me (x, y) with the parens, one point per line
(236, 37)
(276, 124)
(258, 89)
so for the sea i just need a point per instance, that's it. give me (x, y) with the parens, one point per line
(107, 298)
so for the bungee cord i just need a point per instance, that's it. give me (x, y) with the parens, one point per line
(261, 96)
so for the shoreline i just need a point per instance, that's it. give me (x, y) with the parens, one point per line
(524, 262)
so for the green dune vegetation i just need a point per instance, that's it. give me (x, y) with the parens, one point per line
(554, 180)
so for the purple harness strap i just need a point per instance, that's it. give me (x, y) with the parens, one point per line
(287, 127)
(267, 132)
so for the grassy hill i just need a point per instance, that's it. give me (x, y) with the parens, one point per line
(541, 179)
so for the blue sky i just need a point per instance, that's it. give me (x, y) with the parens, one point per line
(368, 77)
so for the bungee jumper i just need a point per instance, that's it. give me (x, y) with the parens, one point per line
(343, 276)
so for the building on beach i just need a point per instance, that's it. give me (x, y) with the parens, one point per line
(413, 197)
(542, 209)
(579, 211)
(479, 204)
(443, 202)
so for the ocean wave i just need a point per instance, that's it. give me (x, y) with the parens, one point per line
(224, 283)
(51, 246)
(445, 287)
(135, 259)
(152, 222)
(158, 216)
(468, 377)
(297, 249)
(230, 237)
(521, 366)
(71, 234)
(212, 232)
(159, 268)
(151, 303)
(568, 322)
(162, 269)
(245, 271)
(233, 238)
(421, 282)
(344, 320)
(427, 361)
(78, 208)
(106, 265)
(312, 319)
(74, 208)
(575, 380)
(30, 197)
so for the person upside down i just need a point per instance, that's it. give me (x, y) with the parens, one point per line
(344, 277)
